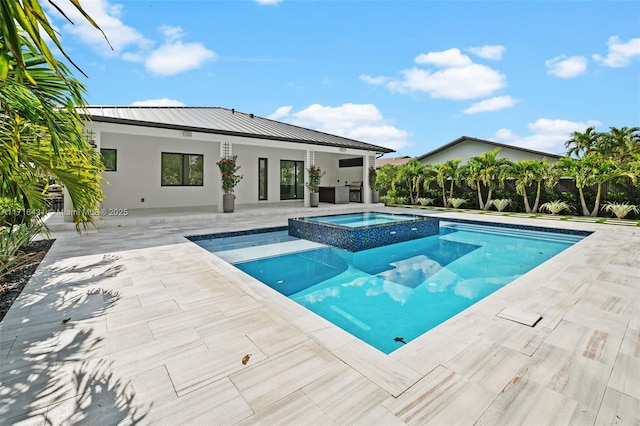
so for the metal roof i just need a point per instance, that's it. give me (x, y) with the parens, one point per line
(496, 144)
(221, 121)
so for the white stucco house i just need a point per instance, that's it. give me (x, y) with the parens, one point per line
(163, 157)
(466, 147)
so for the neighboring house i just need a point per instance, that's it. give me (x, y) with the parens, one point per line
(162, 157)
(466, 147)
(396, 161)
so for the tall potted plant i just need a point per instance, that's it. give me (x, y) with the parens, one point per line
(230, 178)
(315, 175)
(375, 194)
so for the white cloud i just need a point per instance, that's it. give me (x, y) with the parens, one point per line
(158, 102)
(268, 1)
(492, 104)
(281, 112)
(107, 16)
(363, 122)
(446, 58)
(467, 82)
(548, 135)
(620, 54)
(447, 74)
(172, 57)
(374, 80)
(488, 52)
(176, 57)
(564, 67)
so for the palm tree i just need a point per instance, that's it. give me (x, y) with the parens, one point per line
(24, 22)
(621, 143)
(449, 172)
(591, 170)
(582, 143)
(527, 173)
(412, 175)
(484, 171)
(41, 127)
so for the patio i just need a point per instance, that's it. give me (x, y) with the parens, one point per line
(157, 328)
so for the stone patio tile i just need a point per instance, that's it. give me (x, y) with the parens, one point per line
(436, 400)
(625, 377)
(525, 402)
(295, 409)
(345, 395)
(127, 318)
(190, 319)
(219, 330)
(152, 354)
(379, 416)
(572, 375)
(386, 372)
(585, 341)
(433, 348)
(267, 382)
(202, 365)
(277, 339)
(618, 408)
(151, 388)
(218, 403)
(487, 364)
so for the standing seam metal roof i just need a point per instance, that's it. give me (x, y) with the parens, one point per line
(221, 121)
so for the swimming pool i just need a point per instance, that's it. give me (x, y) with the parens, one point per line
(355, 220)
(388, 296)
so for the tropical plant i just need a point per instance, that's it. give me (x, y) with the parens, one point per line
(386, 177)
(620, 210)
(555, 207)
(385, 199)
(411, 174)
(373, 172)
(457, 202)
(400, 200)
(484, 171)
(527, 173)
(315, 176)
(501, 203)
(582, 143)
(12, 240)
(591, 170)
(424, 201)
(621, 144)
(447, 173)
(229, 173)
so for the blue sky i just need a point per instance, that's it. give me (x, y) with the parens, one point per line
(407, 75)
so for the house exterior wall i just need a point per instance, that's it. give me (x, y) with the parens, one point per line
(468, 148)
(138, 173)
(139, 159)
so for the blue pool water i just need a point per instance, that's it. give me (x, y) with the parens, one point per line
(405, 289)
(355, 220)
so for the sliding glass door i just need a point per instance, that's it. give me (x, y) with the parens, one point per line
(291, 180)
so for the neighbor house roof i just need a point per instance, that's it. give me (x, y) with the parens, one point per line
(496, 144)
(396, 161)
(221, 121)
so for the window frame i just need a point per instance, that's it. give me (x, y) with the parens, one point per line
(183, 171)
(263, 186)
(115, 159)
(299, 170)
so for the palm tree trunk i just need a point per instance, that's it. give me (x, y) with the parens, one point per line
(526, 201)
(596, 207)
(535, 204)
(487, 206)
(583, 203)
(480, 202)
(444, 196)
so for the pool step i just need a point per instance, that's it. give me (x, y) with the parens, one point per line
(512, 232)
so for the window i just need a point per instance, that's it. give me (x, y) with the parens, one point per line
(181, 169)
(291, 179)
(262, 178)
(109, 159)
(350, 162)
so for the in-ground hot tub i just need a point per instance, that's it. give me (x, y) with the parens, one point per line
(362, 231)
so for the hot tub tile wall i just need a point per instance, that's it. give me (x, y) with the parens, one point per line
(357, 239)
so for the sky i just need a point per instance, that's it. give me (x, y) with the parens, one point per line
(406, 75)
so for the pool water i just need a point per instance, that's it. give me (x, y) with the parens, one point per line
(388, 296)
(355, 220)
